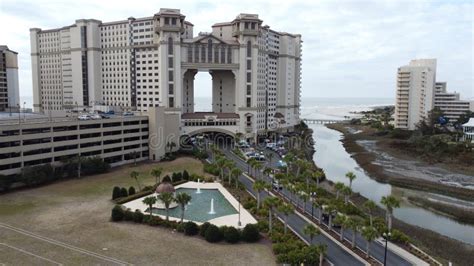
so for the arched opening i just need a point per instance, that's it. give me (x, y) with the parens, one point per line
(202, 92)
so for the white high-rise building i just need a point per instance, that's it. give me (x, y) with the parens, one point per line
(450, 103)
(9, 89)
(139, 63)
(415, 92)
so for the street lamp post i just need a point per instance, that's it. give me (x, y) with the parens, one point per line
(239, 223)
(386, 236)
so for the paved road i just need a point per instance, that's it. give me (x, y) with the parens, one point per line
(376, 249)
(335, 254)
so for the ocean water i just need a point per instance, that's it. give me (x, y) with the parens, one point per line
(317, 108)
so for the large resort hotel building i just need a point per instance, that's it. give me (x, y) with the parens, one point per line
(147, 66)
(138, 63)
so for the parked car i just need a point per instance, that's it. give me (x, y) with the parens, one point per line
(111, 112)
(104, 116)
(95, 116)
(83, 117)
(127, 113)
(276, 185)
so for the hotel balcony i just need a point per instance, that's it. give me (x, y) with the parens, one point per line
(193, 123)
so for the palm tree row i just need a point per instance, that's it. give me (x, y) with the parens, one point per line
(167, 198)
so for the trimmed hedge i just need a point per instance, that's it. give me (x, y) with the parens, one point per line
(213, 234)
(231, 235)
(116, 193)
(250, 233)
(203, 229)
(134, 196)
(117, 213)
(191, 229)
(131, 191)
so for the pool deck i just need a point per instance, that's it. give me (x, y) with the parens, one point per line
(228, 220)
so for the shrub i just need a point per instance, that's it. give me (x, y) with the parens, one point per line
(180, 228)
(128, 215)
(117, 213)
(191, 228)
(166, 178)
(179, 176)
(213, 234)
(211, 169)
(116, 193)
(138, 216)
(249, 204)
(131, 191)
(399, 237)
(154, 220)
(250, 233)
(262, 226)
(231, 235)
(185, 175)
(203, 229)
(123, 192)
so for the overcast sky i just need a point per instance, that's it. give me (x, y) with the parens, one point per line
(350, 49)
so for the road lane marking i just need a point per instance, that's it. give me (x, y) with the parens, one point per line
(29, 253)
(64, 245)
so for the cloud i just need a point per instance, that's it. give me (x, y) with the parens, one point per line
(351, 48)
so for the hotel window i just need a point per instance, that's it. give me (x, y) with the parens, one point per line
(171, 102)
(170, 88)
(209, 50)
(203, 53)
(170, 62)
(249, 102)
(249, 49)
(170, 45)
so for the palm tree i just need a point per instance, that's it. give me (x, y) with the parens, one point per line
(317, 175)
(341, 219)
(236, 172)
(319, 205)
(134, 175)
(271, 203)
(353, 223)
(166, 198)
(251, 163)
(182, 199)
(370, 206)
(228, 166)
(322, 249)
(304, 195)
(150, 201)
(351, 177)
(258, 166)
(330, 209)
(221, 161)
(286, 209)
(156, 172)
(311, 231)
(267, 171)
(390, 203)
(370, 234)
(338, 187)
(347, 192)
(258, 186)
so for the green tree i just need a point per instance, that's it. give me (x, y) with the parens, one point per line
(338, 187)
(370, 207)
(330, 209)
(351, 176)
(182, 199)
(150, 201)
(156, 172)
(134, 175)
(228, 166)
(347, 192)
(286, 209)
(166, 198)
(322, 250)
(221, 161)
(317, 176)
(271, 203)
(259, 186)
(236, 172)
(390, 203)
(311, 231)
(341, 219)
(251, 163)
(354, 224)
(370, 234)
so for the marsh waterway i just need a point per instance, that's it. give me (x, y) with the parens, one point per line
(336, 162)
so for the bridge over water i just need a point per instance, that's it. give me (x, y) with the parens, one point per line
(323, 121)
